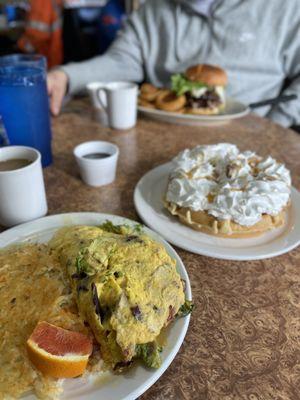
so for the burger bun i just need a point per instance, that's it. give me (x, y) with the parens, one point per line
(209, 75)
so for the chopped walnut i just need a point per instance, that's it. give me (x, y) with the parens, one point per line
(210, 197)
(253, 161)
(232, 170)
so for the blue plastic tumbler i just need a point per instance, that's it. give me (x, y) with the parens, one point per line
(3, 134)
(24, 107)
(28, 60)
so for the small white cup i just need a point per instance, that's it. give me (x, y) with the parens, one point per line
(97, 172)
(92, 89)
(121, 103)
(22, 191)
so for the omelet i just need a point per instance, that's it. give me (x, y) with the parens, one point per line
(127, 288)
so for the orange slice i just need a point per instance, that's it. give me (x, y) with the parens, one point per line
(58, 352)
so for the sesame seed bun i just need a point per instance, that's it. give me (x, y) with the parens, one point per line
(209, 75)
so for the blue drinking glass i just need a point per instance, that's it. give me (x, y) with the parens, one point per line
(3, 135)
(24, 107)
(28, 60)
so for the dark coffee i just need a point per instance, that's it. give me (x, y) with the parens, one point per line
(96, 156)
(13, 164)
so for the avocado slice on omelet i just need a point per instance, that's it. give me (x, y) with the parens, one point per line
(126, 287)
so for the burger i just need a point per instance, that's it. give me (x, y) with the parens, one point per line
(204, 88)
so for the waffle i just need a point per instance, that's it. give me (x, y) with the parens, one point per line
(201, 221)
(221, 191)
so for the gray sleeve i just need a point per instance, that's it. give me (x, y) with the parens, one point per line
(288, 114)
(122, 61)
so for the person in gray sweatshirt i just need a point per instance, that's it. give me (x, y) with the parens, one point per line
(256, 42)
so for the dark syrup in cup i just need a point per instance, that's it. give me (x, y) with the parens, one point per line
(96, 156)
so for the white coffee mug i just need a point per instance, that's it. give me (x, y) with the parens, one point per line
(121, 103)
(96, 171)
(22, 191)
(92, 89)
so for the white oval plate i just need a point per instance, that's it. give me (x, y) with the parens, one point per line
(148, 202)
(138, 379)
(233, 109)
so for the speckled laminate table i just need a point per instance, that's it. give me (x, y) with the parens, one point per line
(244, 337)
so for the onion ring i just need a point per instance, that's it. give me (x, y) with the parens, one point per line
(169, 101)
(145, 103)
(149, 92)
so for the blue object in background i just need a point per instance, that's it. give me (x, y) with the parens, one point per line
(110, 22)
(105, 21)
(11, 12)
(24, 107)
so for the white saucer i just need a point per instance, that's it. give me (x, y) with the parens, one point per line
(148, 196)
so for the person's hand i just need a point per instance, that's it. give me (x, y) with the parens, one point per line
(57, 83)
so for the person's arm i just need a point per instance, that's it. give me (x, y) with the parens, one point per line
(288, 114)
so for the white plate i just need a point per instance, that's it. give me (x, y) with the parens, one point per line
(148, 197)
(233, 109)
(137, 380)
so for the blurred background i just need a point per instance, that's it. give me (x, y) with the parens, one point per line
(61, 30)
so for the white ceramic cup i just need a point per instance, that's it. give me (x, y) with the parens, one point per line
(92, 89)
(121, 103)
(97, 172)
(22, 191)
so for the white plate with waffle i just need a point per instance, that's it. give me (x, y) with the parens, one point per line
(148, 200)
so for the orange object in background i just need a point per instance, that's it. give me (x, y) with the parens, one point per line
(43, 32)
(58, 352)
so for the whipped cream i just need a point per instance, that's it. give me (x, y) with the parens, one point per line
(229, 184)
(190, 191)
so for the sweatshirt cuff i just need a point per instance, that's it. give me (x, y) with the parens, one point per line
(75, 84)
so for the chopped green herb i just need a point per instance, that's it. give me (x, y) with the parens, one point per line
(138, 228)
(185, 309)
(124, 229)
(82, 267)
(149, 353)
(108, 226)
(78, 263)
